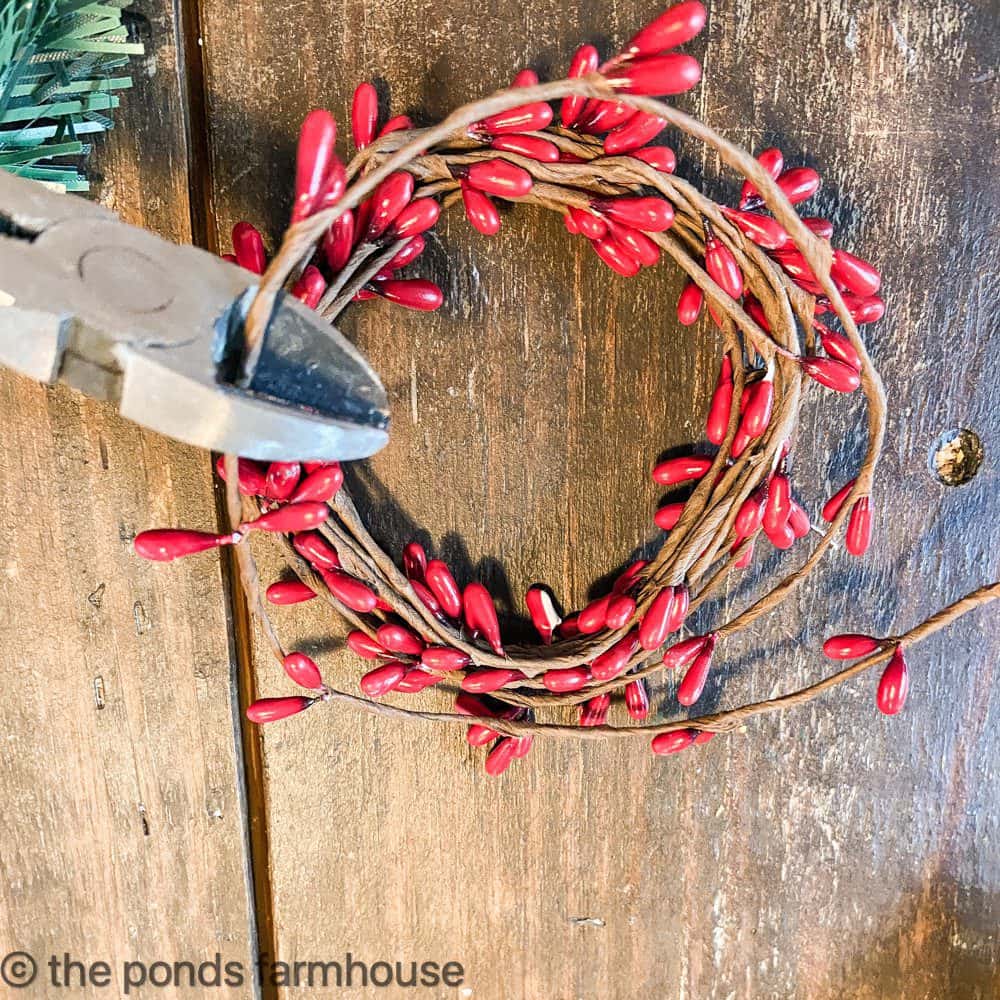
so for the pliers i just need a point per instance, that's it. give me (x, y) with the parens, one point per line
(156, 328)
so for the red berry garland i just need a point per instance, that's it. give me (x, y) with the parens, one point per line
(765, 280)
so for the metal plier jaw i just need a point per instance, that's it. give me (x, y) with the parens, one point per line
(156, 328)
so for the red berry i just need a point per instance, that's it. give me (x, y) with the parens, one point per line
(798, 520)
(484, 681)
(760, 400)
(251, 476)
(634, 134)
(401, 123)
(469, 704)
(302, 670)
(682, 469)
(865, 310)
(691, 686)
(722, 401)
(310, 287)
(314, 548)
(595, 711)
(533, 147)
(383, 679)
(621, 607)
(364, 115)
(850, 646)
(584, 61)
(653, 627)
(627, 580)
(662, 158)
(680, 654)
(167, 544)
(761, 229)
(501, 756)
(859, 527)
(416, 679)
(722, 267)
(388, 200)
(414, 561)
(291, 517)
(399, 639)
(478, 735)
(689, 307)
(832, 507)
(646, 213)
(773, 162)
(282, 478)
(663, 75)
(443, 586)
(592, 618)
(410, 252)
(414, 293)
(444, 658)
(339, 241)
(526, 118)
(544, 616)
(615, 660)
(419, 216)
(350, 591)
(497, 177)
(678, 608)
(778, 505)
(839, 347)
(590, 225)
(564, 679)
(312, 162)
(481, 615)
(675, 26)
(248, 246)
(289, 592)
(428, 600)
(617, 257)
(480, 211)
(603, 116)
(638, 244)
(668, 515)
(365, 646)
(637, 699)
(272, 709)
(831, 373)
(855, 274)
(672, 742)
(750, 514)
(823, 228)
(893, 685)
(321, 485)
(798, 184)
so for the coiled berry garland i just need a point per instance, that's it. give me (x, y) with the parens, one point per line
(786, 302)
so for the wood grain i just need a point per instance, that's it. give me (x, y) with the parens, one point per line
(122, 826)
(830, 853)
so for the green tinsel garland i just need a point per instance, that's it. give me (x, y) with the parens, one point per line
(58, 63)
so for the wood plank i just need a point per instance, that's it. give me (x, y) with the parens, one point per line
(122, 827)
(829, 853)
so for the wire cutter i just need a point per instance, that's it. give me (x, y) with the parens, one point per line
(157, 329)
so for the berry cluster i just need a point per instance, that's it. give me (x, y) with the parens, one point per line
(767, 275)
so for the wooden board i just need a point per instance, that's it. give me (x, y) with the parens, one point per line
(123, 826)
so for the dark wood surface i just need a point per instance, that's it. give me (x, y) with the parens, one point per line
(123, 828)
(828, 853)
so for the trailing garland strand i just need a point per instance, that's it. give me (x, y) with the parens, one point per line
(765, 280)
